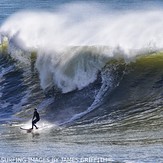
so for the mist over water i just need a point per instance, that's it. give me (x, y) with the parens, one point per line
(61, 40)
(82, 24)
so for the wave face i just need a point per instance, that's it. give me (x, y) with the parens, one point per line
(94, 62)
(59, 41)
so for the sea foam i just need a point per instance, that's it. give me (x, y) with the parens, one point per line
(75, 41)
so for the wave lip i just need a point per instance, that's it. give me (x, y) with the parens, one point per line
(72, 48)
(74, 29)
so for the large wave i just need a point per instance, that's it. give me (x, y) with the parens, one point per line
(75, 42)
(109, 57)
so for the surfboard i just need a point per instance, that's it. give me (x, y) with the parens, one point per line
(28, 130)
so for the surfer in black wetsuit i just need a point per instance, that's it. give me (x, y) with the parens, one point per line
(35, 118)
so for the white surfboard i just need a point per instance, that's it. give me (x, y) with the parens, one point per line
(28, 130)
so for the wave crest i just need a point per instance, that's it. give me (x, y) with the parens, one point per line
(73, 46)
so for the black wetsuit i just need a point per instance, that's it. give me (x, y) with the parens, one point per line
(36, 118)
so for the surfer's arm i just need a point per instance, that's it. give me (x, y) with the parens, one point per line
(33, 116)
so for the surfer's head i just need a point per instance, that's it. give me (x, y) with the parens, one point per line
(35, 109)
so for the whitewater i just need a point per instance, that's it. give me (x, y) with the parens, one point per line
(93, 70)
(61, 41)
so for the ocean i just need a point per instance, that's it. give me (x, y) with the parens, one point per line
(94, 71)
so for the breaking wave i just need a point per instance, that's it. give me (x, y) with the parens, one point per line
(81, 56)
(71, 47)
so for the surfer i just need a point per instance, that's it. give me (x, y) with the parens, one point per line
(35, 118)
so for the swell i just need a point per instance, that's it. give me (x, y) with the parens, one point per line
(91, 73)
(137, 100)
(129, 91)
